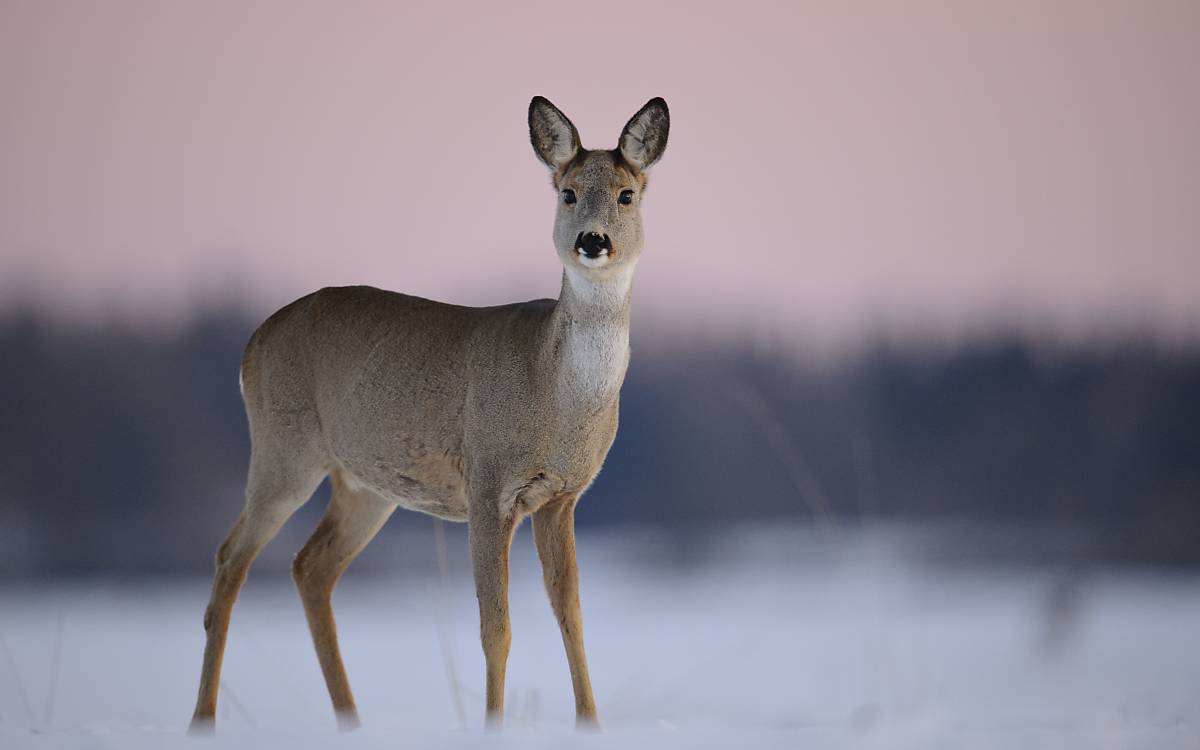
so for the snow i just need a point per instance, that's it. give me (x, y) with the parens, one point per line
(863, 649)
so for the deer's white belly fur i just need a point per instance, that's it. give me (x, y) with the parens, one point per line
(432, 484)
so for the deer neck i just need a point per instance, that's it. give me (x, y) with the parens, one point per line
(590, 334)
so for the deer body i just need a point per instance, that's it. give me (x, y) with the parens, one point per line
(354, 373)
(485, 415)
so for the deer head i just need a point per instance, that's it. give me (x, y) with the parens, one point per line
(598, 225)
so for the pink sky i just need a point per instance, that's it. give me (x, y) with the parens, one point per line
(831, 169)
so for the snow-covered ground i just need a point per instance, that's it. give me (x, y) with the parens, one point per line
(860, 649)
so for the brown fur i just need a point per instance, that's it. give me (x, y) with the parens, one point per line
(484, 415)
(627, 174)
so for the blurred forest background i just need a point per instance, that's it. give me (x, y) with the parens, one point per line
(922, 265)
(125, 451)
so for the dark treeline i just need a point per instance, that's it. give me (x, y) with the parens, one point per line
(126, 452)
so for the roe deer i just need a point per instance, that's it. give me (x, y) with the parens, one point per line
(484, 415)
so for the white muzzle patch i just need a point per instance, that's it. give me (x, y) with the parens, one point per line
(589, 262)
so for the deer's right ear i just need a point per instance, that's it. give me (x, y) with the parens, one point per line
(645, 135)
(554, 138)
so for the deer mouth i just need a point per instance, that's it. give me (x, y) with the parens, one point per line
(598, 261)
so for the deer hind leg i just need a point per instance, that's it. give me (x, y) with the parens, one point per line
(353, 518)
(272, 495)
(491, 532)
(554, 535)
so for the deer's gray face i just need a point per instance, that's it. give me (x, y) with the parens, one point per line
(598, 224)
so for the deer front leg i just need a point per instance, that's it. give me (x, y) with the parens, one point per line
(491, 533)
(554, 534)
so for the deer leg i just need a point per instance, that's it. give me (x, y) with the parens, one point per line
(554, 534)
(351, 521)
(491, 533)
(269, 503)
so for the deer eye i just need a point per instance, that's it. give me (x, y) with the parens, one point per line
(625, 198)
(568, 196)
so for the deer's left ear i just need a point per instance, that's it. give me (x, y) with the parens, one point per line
(645, 135)
(555, 140)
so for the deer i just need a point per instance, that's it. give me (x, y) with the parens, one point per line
(486, 415)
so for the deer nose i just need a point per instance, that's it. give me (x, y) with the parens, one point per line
(592, 244)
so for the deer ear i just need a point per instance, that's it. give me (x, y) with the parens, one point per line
(645, 135)
(554, 138)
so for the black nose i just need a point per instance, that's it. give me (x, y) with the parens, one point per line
(593, 244)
